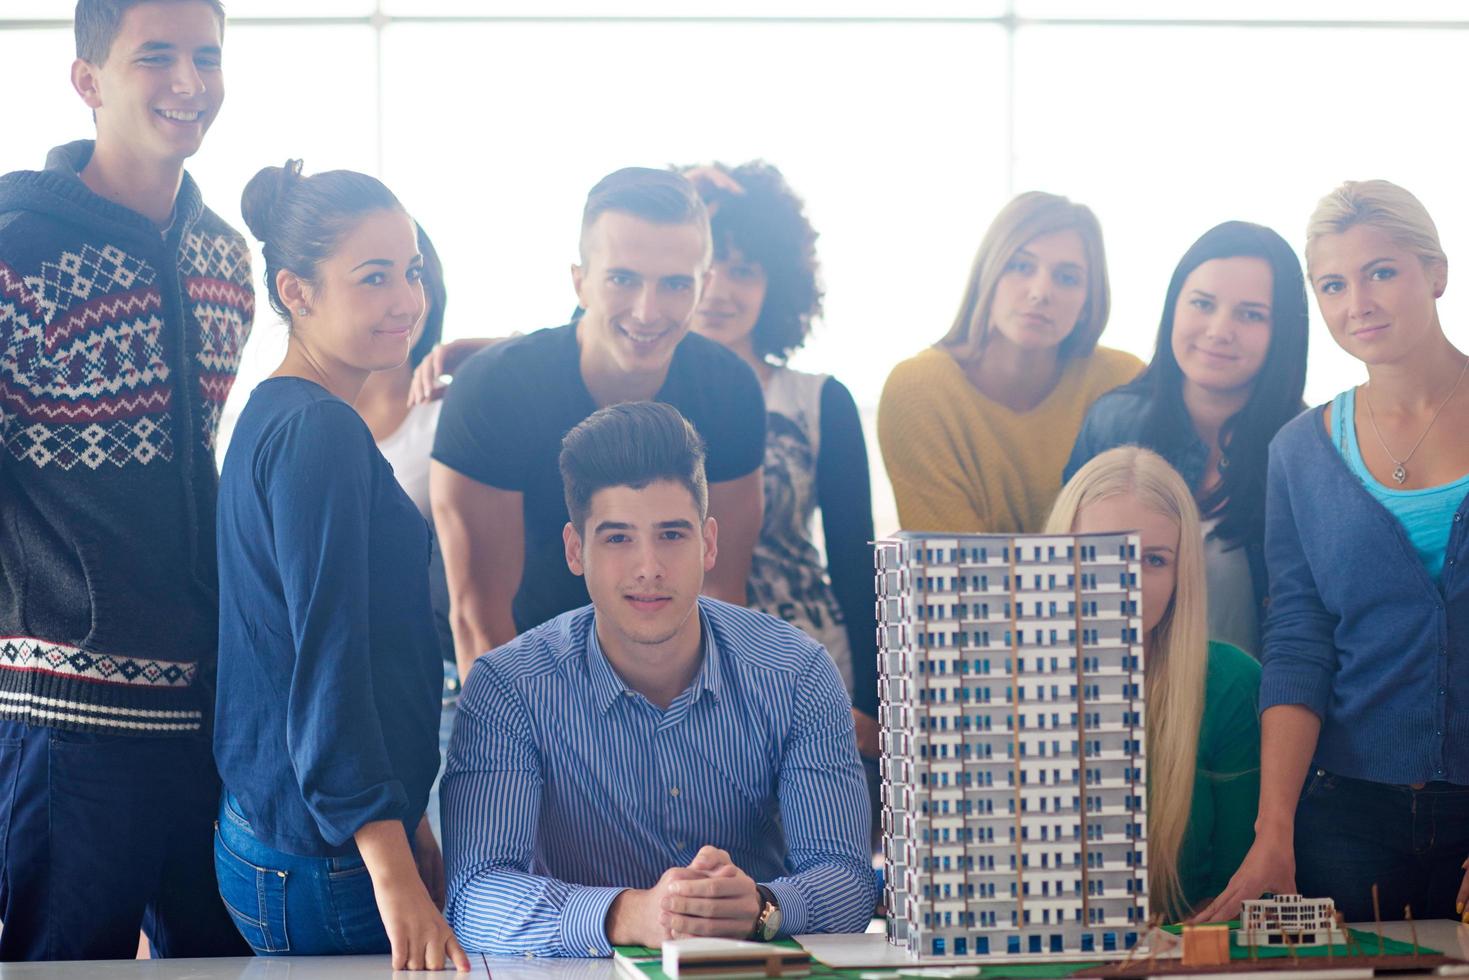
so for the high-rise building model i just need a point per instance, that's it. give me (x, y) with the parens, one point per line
(1013, 727)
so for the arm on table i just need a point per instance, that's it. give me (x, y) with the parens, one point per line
(417, 932)
(491, 808)
(737, 506)
(481, 531)
(1288, 735)
(826, 813)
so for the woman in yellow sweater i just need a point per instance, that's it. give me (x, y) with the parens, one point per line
(975, 430)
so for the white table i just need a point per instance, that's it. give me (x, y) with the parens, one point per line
(1443, 934)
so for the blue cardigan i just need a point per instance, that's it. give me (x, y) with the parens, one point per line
(1358, 631)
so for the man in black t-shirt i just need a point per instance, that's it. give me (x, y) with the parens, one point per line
(496, 489)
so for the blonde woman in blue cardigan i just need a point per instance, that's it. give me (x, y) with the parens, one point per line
(1365, 694)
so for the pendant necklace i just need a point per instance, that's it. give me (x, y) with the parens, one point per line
(1400, 466)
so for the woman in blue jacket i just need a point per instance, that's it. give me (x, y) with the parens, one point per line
(1364, 690)
(1227, 372)
(329, 667)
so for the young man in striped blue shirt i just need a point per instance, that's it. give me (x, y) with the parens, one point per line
(657, 764)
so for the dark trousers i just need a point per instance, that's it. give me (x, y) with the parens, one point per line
(1410, 843)
(101, 835)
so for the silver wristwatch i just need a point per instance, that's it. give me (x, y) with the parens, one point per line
(767, 921)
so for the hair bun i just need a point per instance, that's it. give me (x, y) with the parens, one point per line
(264, 195)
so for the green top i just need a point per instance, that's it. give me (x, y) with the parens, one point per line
(1221, 822)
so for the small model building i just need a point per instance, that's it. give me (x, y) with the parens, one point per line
(1289, 919)
(732, 959)
(1206, 945)
(1011, 688)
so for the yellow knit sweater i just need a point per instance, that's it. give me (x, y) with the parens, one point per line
(961, 462)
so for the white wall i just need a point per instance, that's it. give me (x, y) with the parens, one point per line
(904, 125)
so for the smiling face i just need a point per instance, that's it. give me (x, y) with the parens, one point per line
(1159, 534)
(1222, 323)
(732, 302)
(639, 284)
(366, 298)
(161, 85)
(643, 554)
(1039, 297)
(1377, 298)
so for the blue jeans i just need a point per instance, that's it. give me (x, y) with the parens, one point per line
(1352, 834)
(284, 903)
(448, 709)
(101, 834)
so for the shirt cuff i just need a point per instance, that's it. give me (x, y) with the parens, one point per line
(1309, 688)
(584, 921)
(793, 912)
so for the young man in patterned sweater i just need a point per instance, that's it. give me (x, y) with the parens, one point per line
(124, 303)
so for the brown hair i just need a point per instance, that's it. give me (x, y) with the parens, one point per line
(1027, 217)
(631, 445)
(660, 196)
(97, 22)
(300, 220)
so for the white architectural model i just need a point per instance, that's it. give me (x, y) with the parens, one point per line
(1289, 919)
(1011, 686)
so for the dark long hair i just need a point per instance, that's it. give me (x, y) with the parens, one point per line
(435, 295)
(301, 220)
(1275, 398)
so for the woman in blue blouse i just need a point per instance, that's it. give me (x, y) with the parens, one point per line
(329, 668)
(1364, 691)
(1227, 372)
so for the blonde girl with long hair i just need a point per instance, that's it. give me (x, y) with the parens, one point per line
(1203, 746)
(976, 429)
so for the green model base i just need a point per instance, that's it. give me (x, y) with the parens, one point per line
(649, 962)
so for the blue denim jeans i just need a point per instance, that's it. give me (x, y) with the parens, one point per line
(1409, 842)
(101, 834)
(284, 903)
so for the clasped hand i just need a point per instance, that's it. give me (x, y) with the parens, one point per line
(710, 897)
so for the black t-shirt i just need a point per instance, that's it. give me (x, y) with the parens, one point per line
(511, 404)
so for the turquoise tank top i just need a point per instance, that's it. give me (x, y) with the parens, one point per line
(1427, 514)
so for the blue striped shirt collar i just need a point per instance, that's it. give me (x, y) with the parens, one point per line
(608, 685)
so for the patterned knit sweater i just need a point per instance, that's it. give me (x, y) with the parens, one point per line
(118, 345)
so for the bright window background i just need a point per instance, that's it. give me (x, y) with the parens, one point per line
(904, 125)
